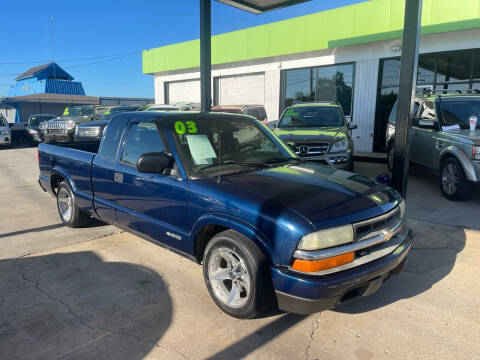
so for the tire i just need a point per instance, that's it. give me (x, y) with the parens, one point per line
(69, 212)
(253, 294)
(453, 182)
(390, 152)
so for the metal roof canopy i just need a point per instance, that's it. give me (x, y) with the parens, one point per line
(261, 6)
(408, 71)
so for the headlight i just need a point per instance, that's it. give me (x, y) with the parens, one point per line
(476, 153)
(70, 125)
(327, 238)
(338, 146)
(5, 132)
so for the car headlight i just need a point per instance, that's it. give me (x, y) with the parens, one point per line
(327, 238)
(476, 153)
(338, 146)
(5, 132)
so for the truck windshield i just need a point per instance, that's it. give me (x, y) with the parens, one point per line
(311, 116)
(458, 112)
(210, 147)
(36, 120)
(79, 111)
(3, 121)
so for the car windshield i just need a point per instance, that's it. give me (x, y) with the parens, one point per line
(458, 112)
(108, 114)
(231, 111)
(216, 146)
(163, 109)
(36, 120)
(311, 116)
(79, 111)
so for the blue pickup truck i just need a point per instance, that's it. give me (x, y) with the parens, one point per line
(223, 190)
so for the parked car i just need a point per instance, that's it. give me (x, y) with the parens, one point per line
(63, 128)
(441, 140)
(90, 131)
(318, 132)
(257, 111)
(5, 133)
(33, 126)
(267, 226)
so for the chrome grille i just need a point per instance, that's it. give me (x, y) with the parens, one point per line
(311, 149)
(56, 125)
(88, 131)
(388, 223)
(55, 131)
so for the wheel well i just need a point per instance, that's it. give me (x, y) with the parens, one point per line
(55, 180)
(445, 157)
(203, 237)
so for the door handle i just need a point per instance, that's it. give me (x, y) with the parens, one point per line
(118, 177)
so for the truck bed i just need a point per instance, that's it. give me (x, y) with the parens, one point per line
(72, 162)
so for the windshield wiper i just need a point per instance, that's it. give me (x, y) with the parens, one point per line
(233, 162)
(282, 160)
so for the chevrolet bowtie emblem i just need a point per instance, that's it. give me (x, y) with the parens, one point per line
(387, 234)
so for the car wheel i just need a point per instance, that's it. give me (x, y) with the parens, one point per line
(390, 154)
(70, 213)
(237, 276)
(453, 181)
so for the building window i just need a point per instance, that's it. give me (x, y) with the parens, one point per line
(324, 83)
(443, 72)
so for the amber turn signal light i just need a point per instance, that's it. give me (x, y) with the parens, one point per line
(324, 264)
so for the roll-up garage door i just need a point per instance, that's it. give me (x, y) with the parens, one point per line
(183, 91)
(246, 89)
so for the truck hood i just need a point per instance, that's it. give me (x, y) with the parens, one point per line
(324, 196)
(310, 134)
(466, 134)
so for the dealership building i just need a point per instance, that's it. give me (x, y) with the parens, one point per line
(349, 54)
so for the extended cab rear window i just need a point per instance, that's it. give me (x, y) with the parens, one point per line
(111, 139)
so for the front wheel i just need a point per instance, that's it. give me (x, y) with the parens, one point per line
(453, 182)
(236, 275)
(69, 212)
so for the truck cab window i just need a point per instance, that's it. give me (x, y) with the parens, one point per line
(113, 133)
(142, 138)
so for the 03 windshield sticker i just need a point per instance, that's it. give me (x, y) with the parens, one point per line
(291, 112)
(185, 127)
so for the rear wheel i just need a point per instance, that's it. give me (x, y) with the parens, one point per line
(453, 182)
(70, 213)
(236, 275)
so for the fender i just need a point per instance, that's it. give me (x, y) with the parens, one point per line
(460, 156)
(236, 224)
(84, 200)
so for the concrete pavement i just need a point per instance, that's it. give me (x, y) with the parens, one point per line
(97, 293)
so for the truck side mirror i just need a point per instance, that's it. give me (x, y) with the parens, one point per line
(352, 126)
(154, 163)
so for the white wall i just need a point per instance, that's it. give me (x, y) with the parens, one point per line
(366, 58)
(9, 114)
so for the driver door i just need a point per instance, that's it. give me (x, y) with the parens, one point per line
(423, 136)
(153, 205)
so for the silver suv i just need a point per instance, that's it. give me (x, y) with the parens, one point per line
(442, 139)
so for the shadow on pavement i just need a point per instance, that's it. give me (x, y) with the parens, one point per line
(76, 306)
(246, 345)
(431, 259)
(37, 229)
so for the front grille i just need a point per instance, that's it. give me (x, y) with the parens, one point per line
(88, 131)
(50, 125)
(315, 149)
(376, 226)
(55, 131)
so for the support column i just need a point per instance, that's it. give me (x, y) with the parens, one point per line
(406, 93)
(205, 55)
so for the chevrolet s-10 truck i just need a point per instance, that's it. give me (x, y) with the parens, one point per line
(223, 190)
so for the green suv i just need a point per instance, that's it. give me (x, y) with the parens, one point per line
(445, 137)
(318, 132)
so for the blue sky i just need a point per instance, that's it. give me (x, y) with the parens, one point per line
(101, 28)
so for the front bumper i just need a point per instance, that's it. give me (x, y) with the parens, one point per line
(5, 139)
(58, 136)
(87, 138)
(304, 294)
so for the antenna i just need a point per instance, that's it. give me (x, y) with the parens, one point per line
(51, 45)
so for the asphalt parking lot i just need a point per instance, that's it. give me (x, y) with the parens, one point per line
(99, 293)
